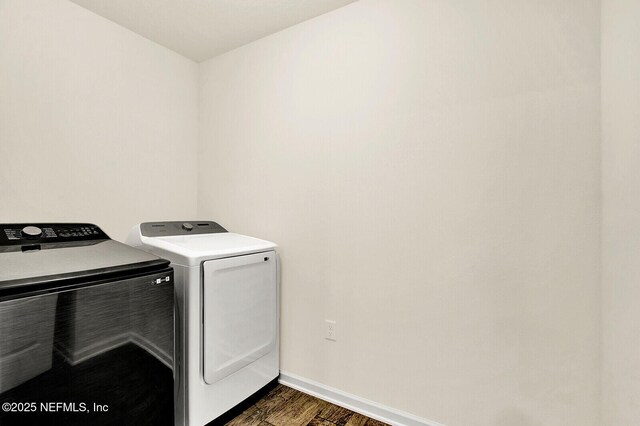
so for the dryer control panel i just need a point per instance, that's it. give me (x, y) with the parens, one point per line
(166, 229)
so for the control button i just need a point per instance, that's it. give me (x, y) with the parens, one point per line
(187, 226)
(31, 232)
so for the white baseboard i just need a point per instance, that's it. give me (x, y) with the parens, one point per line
(354, 403)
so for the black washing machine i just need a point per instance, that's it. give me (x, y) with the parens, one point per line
(86, 329)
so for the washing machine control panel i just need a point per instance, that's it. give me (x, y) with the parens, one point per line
(37, 233)
(166, 229)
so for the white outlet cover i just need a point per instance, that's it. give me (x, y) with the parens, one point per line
(330, 330)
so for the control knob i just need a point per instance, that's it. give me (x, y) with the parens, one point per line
(31, 232)
(187, 226)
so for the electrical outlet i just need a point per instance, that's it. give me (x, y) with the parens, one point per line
(330, 330)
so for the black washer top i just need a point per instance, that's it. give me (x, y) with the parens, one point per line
(52, 256)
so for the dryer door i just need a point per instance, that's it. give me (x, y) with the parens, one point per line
(240, 312)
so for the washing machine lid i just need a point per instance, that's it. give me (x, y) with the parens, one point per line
(191, 250)
(44, 257)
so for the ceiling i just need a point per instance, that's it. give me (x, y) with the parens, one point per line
(202, 29)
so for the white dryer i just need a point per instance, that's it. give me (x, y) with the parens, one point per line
(227, 294)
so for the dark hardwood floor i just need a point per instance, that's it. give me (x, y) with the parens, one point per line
(284, 406)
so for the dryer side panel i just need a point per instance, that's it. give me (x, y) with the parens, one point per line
(240, 312)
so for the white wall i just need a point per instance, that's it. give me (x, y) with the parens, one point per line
(621, 210)
(431, 171)
(96, 123)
